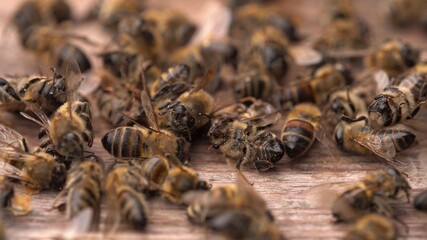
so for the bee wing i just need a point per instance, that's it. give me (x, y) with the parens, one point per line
(80, 224)
(305, 56)
(382, 81)
(204, 81)
(264, 121)
(148, 109)
(73, 79)
(321, 136)
(10, 171)
(43, 120)
(9, 136)
(324, 195)
(383, 148)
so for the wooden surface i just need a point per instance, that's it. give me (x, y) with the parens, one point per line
(285, 188)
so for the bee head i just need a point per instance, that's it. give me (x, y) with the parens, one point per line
(181, 119)
(380, 112)
(59, 176)
(219, 131)
(409, 54)
(275, 60)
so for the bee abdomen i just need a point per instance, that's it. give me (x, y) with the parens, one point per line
(297, 94)
(297, 137)
(420, 201)
(69, 51)
(272, 150)
(86, 194)
(401, 139)
(132, 207)
(125, 142)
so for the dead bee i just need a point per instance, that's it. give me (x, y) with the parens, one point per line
(348, 102)
(124, 192)
(251, 17)
(394, 57)
(372, 226)
(399, 102)
(35, 12)
(245, 141)
(55, 48)
(255, 82)
(173, 27)
(370, 195)
(235, 211)
(110, 12)
(317, 88)
(302, 126)
(188, 113)
(355, 135)
(38, 170)
(84, 188)
(420, 201)
(70, 126)
(179, 180)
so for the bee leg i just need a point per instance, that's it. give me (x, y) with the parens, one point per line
(263, 165)
(416, 109)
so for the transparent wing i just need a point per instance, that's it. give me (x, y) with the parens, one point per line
(382, 147)
(324, 195)
(42, 120)
(73, 79)
(305, 56)
(149, 111)
(11, 137)
(249, 195)
(382, 81)
(322, 136)
(80, 224)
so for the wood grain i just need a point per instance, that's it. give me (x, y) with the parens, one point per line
(286, 189)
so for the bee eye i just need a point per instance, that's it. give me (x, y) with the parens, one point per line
(339, 136)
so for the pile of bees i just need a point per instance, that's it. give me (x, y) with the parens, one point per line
(158, 88)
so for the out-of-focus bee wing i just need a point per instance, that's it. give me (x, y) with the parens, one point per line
(382, 81)
(43, 120)
(80, 224)
(324, 195)
(205, 80)
(382, 148)
(321, 135)
(9, 136)
(264, 121)
(148, 109)
(305, 56)
(10, 171)
(73, 79)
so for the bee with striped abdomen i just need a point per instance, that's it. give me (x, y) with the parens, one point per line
(372, 226)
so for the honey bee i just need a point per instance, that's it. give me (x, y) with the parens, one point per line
(112, 11)
(370, 195)
(70, 126)
(317, 88)
(394, 57)
(181, 179)
(173, 27)
(256, 82)
(251, 17)
(372, 226)
(420, 201)
(155, 170)
(124, 191)
(355, 135)
(84, 188)
(37, 170)
(348, 102)
(243, 141)
(170, 84)
(302, 126)
(55, 48)
(397, 103)
(403, 12)
(35, 12)
(224, 206)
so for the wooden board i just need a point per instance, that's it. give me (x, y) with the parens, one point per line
(285, 188)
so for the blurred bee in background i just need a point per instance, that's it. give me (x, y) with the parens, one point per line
(405, 12)
(155, 170)
(236, 211)
(71, 125)
(37, 170)
(55, 48)
(371, 194)
(355, 135)
(254, 82)
(302, 126)
(174, 28)
(37, 12)
(420, 201)
(345, 31)
(251, 17)
(6, 192)
(394, 57)
(372, 226)
(170, 84)
(110, 12)
(397, 103)
(84, 188)
(348, 102)
(317, 88)
(124, 188)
